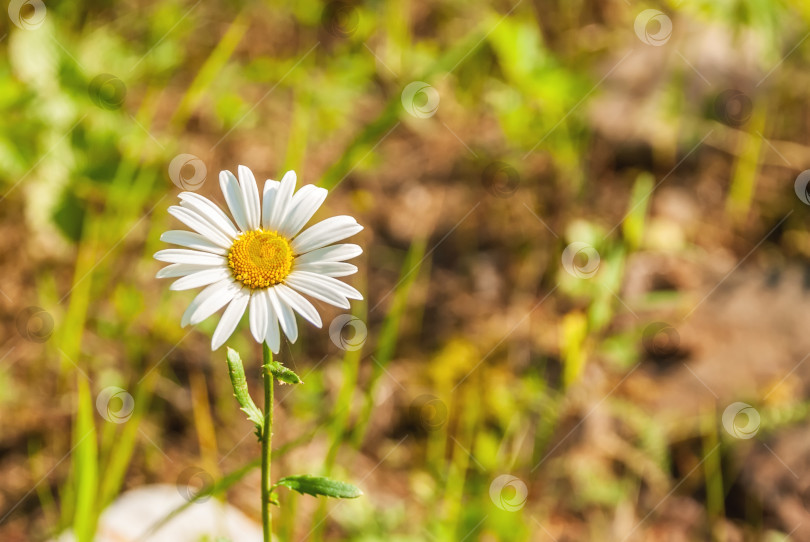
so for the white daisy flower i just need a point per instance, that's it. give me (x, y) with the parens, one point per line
(261, 259)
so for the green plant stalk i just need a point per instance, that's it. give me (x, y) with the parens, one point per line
(713, 474)
(86, 465)
(389, 333)
(267, 442)
(342, 409)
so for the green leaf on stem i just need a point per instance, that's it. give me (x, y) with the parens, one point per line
(283, 374)
(318, 485)
(240, 390)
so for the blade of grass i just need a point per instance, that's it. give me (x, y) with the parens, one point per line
(389, 332)
(85, 465)
(746, 166)
(713, 472)
(370, 136)
(633, 225)
(451, 504)
(44, 493)
(343, 403)
(339, 422)
(69, 336)
(209, 71)
(121, 453)
(203, 422)
(574, 333)
(298, 137)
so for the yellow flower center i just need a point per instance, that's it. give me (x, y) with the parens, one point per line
(260, 258)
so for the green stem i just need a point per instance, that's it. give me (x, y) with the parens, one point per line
(267, 442)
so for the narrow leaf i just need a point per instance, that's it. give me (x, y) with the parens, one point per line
(85, 464)
(318, 485)
(240, 390)
(283, 374)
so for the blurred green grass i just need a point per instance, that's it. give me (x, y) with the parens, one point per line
(84, 174)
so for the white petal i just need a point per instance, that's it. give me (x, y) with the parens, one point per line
(181, 269)
(269, 196)
(305, 285)
(258, 315)
(209, 301)
(201, 278)
(272, 336)
(299, 303)
(328, 269)
(209, 210)
(303, 205)
(325, 233)
(281, 201)
(233, 196)
(328, 282)
(230, 318)
(192, 240)
(285, 315)
(182, 255)
(250, 196)
(194, 221)
(334, 253)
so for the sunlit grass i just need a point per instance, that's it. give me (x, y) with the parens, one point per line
(274, 87)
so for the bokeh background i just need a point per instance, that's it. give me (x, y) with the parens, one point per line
(585, 263)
